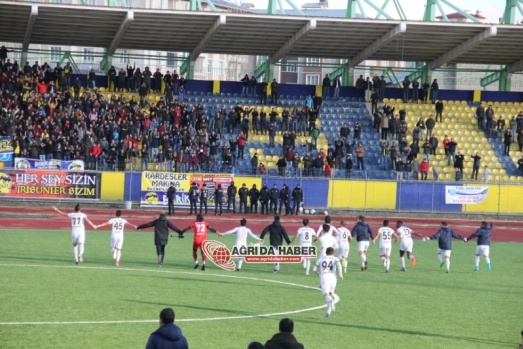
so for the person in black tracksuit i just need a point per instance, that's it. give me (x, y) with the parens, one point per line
(265, 195)
(483, 234)
(231, 197)
(243, 193)
(171, 194)
(273, 203)
(193, 198)
(204, 194)
(363, 233)
(218, 199)
(161, 234)
(285, 200)
(297, 197)
(277, 234)
(254, 195)
(444, 236)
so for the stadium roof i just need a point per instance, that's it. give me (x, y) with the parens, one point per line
(437, 43)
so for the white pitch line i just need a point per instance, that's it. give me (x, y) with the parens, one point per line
(103, 322)
(238, 317)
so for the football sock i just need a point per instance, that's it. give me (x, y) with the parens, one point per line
(240, 262)
(114, 253)
(387, 264)
(476, 261)
(382, 258)
(402, 259)
(487, 260)
(307, 266)
(440, 257)
(328, 299)
(447, 263)
(75, 253)
(204, 257)
(344, 263)
(363, 258)
(80, 249)
(195, 257)
(118, 255)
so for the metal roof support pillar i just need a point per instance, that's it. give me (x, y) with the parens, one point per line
(351, 9)
(505, 80)
(376, 45)
(28, 32)
(463, 48)
(430, 11)
(511, 7)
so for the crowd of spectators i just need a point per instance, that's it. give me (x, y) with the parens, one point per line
(52, 116)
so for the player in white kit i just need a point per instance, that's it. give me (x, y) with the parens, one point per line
(330, 230)
(117, 228)
(385, 235)
(327, 240)
(406, 243)
(307, 236)
(344, 239)
(328, 265)
(77, 231)
(242, 232)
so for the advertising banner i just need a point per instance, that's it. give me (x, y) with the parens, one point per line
(6, 149)
(44, 184)
(465, 195)
(154, 187)
(27, 164)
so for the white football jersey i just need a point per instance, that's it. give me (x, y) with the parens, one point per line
(385, 236)
(343, 236)
(241, 235)
(117, 225)
(77, 220)
(328, 264)
(306, 235)
(404, 233)
(332, 230)
(327, 241)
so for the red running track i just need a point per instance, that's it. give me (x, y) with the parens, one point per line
(46, 218)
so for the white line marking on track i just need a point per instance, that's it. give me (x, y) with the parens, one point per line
(239, 317)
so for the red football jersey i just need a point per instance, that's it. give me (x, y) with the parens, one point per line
(200, 231)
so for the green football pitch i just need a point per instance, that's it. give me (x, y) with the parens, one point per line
(46, 301)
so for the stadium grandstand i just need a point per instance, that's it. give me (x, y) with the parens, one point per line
(150, 108)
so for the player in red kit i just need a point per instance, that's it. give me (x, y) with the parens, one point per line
(200, 228)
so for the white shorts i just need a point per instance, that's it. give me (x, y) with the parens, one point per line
(363, 245)
(385, 251)
(406, 245)
(483, 250)
(78, 237)
(445, 253)
(328, 283)
(116, 242)
(343, 250)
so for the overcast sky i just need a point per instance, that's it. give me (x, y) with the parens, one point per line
(414, 9)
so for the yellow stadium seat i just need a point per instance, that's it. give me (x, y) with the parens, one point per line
(252, 151)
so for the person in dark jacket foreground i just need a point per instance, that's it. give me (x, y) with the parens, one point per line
(161, 234)
(168, 335)
(444, 236)
(284, 339)
(278, 233)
